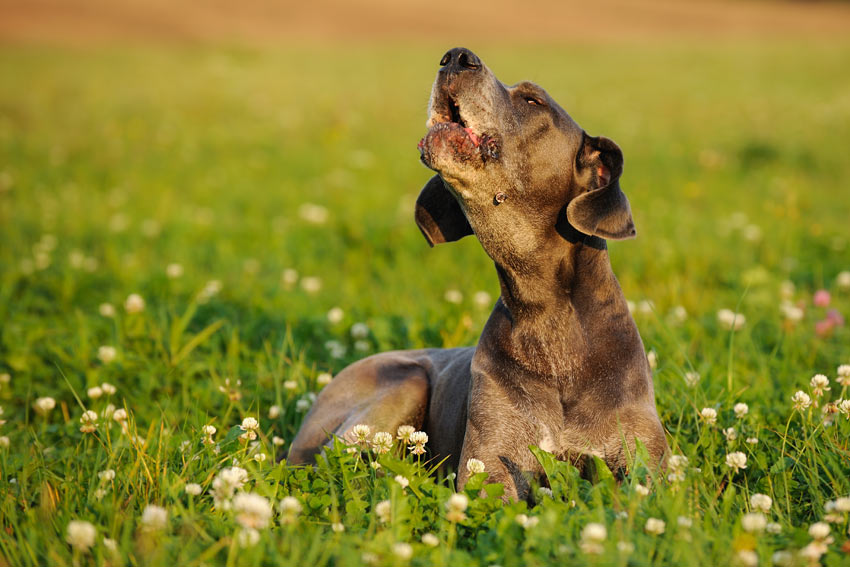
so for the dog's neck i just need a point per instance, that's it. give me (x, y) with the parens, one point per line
(551, 310)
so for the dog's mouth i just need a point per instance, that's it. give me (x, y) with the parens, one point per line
(450, 133)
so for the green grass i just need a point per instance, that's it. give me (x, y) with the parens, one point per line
(116, 163)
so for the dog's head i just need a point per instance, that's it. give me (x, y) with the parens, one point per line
(512, 166)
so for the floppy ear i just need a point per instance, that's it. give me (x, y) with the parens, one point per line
(439, 215)
(602, 209)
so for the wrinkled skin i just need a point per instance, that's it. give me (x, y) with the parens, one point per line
(560, 363)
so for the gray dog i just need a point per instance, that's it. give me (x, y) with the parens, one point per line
(560, 363)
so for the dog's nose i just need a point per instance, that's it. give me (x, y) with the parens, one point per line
(459, 59)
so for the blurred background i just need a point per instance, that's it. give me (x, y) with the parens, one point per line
(260, 157)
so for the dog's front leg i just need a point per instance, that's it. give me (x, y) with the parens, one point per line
(499, 434)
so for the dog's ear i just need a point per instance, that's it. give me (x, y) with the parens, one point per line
(439, 215)
(602, 209)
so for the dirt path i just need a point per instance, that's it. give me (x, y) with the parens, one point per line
(284, 21)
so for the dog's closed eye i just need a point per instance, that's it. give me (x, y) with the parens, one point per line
(533, 101)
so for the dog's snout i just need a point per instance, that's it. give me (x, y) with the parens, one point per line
(460, 59)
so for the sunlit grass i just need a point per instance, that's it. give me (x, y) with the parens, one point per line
(259, 203)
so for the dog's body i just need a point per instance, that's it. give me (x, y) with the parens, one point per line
(560, 363)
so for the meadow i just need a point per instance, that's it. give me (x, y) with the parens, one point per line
(203, 236)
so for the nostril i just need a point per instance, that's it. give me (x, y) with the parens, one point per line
(469, 60)
(446, 59)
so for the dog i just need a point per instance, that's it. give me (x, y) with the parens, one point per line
(560, 363)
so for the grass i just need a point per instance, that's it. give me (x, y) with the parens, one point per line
(116, 163)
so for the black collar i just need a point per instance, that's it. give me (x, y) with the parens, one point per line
(575, 236)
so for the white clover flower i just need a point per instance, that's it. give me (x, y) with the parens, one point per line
(819, 530)
(801, 400)
(174, 270)
(337, 527)
(594, 532)
(736, 461)
(652, 359)
(482, 299)
(692, 379)
(324, 379)
(544, 492)
(782, 558)
(625, 547)
(110, 544)
(430, 539)
(312, 213)
(303, 404)
(754, 522)
(752, 440)
(474, 466)
(382, 442)
(107, 412)
(106, 310)
(290, 385)
(453, 296)
(193, 489)
(4, 441)
(106, 354)
(843, 407)
(730, 434)
(360, 331)
(274, 412)
(119, 415)
(108, 388)
(456, 506)
(375, 465)
(383, 510)
(250, 426)
(80, 535)
(527, 522)
(360, 434)
(248, 537)
(252, 511)
(261, 457)
(741, 409)
(761, 502)
(154, 518)
(88, 421)
(335, 315)
(107, 475)
(792, 312)
(684, 522)
(677, 462)
(655, 526)
(290, 507)
(311, 284)
(210, 290)
(709, 415)
(842, 280)
(134, 303)
(820, 384)
(773, 528)
(842, 504)
(730, 320)
(844, 375)
(289, 278)
(95, 392)
(747, 558)
(44, 405)
(404, 432)
(225, 484)
(402, 481)
(418, 440)
(641, 490)
(278, 441)
(812, 552)
(403, 551)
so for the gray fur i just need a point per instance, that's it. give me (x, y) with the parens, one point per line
(560, 363)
